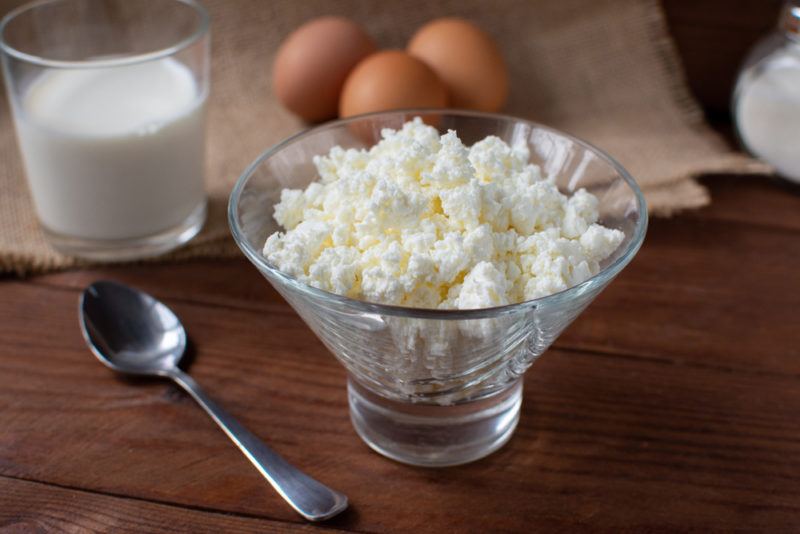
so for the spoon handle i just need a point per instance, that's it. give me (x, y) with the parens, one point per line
(313, 500)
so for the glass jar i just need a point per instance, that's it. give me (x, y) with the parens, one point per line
(766, 100)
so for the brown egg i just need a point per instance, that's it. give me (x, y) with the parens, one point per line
(391, 79)
(467, 61)
(313, 62)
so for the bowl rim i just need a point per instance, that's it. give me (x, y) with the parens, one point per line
(605, 274)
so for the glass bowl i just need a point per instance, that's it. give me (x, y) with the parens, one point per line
(436, 387)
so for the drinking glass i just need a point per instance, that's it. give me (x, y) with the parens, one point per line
(108, 100)
(436, 387)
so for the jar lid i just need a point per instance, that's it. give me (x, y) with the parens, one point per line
(790, 19)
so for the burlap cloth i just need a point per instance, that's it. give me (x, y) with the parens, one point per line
(605, 70)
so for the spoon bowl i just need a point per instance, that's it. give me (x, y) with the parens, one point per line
(130, 331)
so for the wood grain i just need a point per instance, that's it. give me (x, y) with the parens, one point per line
(36, 507)
(598, 432)
(669, 405)
(710, 293)
(765, 201)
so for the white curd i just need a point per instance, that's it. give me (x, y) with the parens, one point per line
(422, 220)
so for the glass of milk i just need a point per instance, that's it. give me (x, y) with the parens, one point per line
(109, 99)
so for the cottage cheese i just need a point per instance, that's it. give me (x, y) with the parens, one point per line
(422, 220)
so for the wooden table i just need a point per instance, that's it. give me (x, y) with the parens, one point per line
(671, 404)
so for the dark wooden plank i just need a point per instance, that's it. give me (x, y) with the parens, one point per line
(766, 201)
(224, 282)
(611, 442)
(35, 507)
(708, 292)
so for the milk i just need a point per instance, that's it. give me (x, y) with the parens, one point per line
(114, 153)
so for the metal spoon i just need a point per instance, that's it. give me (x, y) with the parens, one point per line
(131, 332)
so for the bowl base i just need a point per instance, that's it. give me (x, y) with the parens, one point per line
(431, 435)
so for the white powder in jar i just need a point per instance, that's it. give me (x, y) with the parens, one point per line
(768, 113)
